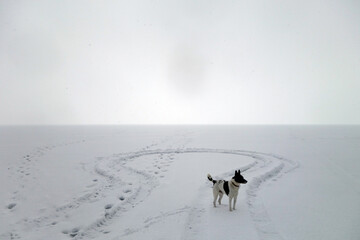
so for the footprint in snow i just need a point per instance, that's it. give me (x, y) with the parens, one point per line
(72, 233)
(127, 191)
(11, 206)
(108, 206)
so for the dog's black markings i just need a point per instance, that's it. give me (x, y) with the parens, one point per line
(211, 180)
(239, 178)
(226, 184)
(226, 187)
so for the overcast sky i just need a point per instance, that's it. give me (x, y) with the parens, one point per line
(180, 62)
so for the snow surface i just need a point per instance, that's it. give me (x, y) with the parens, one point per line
(149, 182)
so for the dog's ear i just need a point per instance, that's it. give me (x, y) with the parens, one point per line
(239, 171)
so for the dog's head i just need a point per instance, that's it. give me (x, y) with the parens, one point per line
(239, 178)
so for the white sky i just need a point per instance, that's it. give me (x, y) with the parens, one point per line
(180, 62)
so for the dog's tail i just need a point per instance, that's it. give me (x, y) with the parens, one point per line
(211, 179)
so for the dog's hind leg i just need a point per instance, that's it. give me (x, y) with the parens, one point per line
(216, 194)
(220, 197)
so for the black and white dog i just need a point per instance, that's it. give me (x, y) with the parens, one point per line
(231, 188)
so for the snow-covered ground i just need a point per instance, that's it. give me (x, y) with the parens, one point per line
(149, 182)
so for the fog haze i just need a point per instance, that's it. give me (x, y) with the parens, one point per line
(179, 62)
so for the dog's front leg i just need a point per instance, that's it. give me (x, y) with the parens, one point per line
(235, 198)
(230, 198)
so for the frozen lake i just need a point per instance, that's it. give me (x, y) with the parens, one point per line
(149, 182)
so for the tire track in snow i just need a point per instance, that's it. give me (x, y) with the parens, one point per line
(155, 219)
(275, 166)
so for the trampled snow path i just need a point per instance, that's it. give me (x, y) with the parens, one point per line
(139, 184)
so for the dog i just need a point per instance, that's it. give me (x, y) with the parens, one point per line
(230, 188)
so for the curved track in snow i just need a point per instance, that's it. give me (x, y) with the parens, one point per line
(265, 167)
